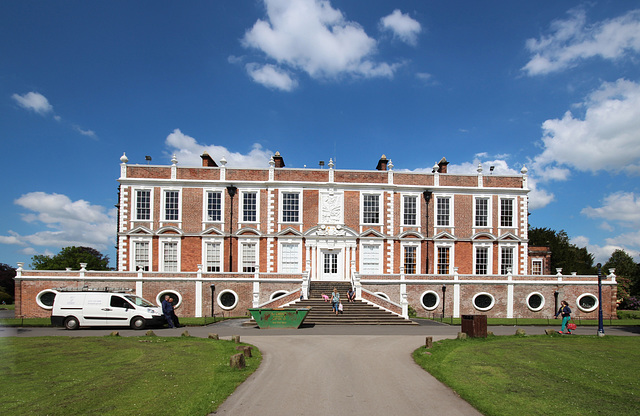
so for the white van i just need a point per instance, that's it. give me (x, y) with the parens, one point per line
(88, 308)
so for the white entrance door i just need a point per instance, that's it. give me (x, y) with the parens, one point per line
(331, 264)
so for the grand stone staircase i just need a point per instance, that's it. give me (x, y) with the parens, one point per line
(355, 313)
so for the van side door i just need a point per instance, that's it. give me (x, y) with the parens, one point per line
(95, 310)
(120, 311)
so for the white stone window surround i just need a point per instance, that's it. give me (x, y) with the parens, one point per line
(39, 301)
(452, 254)
(417, 197)
(489, 211)
(514, 266)
(290, 241)
(240, 208)
(212, 240)
(451, 216)
(438, 300)
(205, 206)
(378, 244)
(591, 295)
(493, 301)
(379, 195)
(277, 294)
(219, 302)
(243, 241)
(418, 247)
(163, 205)
(281, 205)
(160, 297)
(134, 241)
(134, 203)
(162, 241)
(489, 247)
(383, 295)
(514, 222)
(539, 308)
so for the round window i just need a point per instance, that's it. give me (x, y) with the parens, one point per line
(45, 298)
(175, 296)
(587, 302)
(227, 299)
(535, 301)
(483, 301)
(430, 300)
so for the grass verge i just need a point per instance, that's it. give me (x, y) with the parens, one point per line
(44, 322)
(543, 321)
(540, 375)
(118, 375)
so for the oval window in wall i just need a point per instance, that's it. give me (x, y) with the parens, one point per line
(587, 302)
(227, 299)
(483, 301)
(177, 299)
(535, 301)
(430, 300)
(277, 294)
(45, 298)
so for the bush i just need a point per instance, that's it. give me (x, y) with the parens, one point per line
(630, 304)
(412, 312)
(5, 297)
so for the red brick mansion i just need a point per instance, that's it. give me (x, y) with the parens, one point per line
(235, 238)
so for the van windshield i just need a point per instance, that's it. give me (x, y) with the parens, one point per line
(138, 301)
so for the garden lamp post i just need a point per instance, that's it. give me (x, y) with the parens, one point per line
(600, 323)
(213, 291)
(444, 291)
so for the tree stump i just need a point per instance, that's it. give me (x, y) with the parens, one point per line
(462, 335)
(549, 331)
(185, 334)
(214, 336)
(150, 333)
(428, 342)
(246, 350)
(236, 339)
(237, 361)
(115, 334)
(520, 332)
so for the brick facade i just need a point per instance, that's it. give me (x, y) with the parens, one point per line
(395, 235)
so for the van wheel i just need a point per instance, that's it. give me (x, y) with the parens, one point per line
(71, 323)
(138, 323)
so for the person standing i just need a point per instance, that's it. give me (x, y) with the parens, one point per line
(335, 300)
(565, 312)
(167, 310)
(174, 317)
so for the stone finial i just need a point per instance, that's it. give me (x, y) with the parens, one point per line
(223, 161)
(174, 159)
(524, 170)
(124, 158)
(479, 168)
(331, 164)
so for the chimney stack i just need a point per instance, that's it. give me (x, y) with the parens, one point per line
(207, 161)
(278, 160)
(382, 163)
(442, 165)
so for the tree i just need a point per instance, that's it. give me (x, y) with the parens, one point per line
(565, 255)
(627, 273)
(71, 257)
(7, 284)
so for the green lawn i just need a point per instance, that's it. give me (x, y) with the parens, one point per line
(117, 375)
(545, 321)
(540, 375)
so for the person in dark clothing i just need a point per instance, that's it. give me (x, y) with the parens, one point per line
(565, 312)
(167, 310)
(174, 317)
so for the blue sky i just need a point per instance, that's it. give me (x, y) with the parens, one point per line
(553, 86)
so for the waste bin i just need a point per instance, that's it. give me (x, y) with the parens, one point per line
(475, 326)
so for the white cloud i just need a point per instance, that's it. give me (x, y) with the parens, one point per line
(67, 223)
(188, 152)
(403, 27)
(271, 77)
(630, 243)
(621, 207)
(33, 101)
(88, 133)
(312, 36)
(573, 40)
(608, 138)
